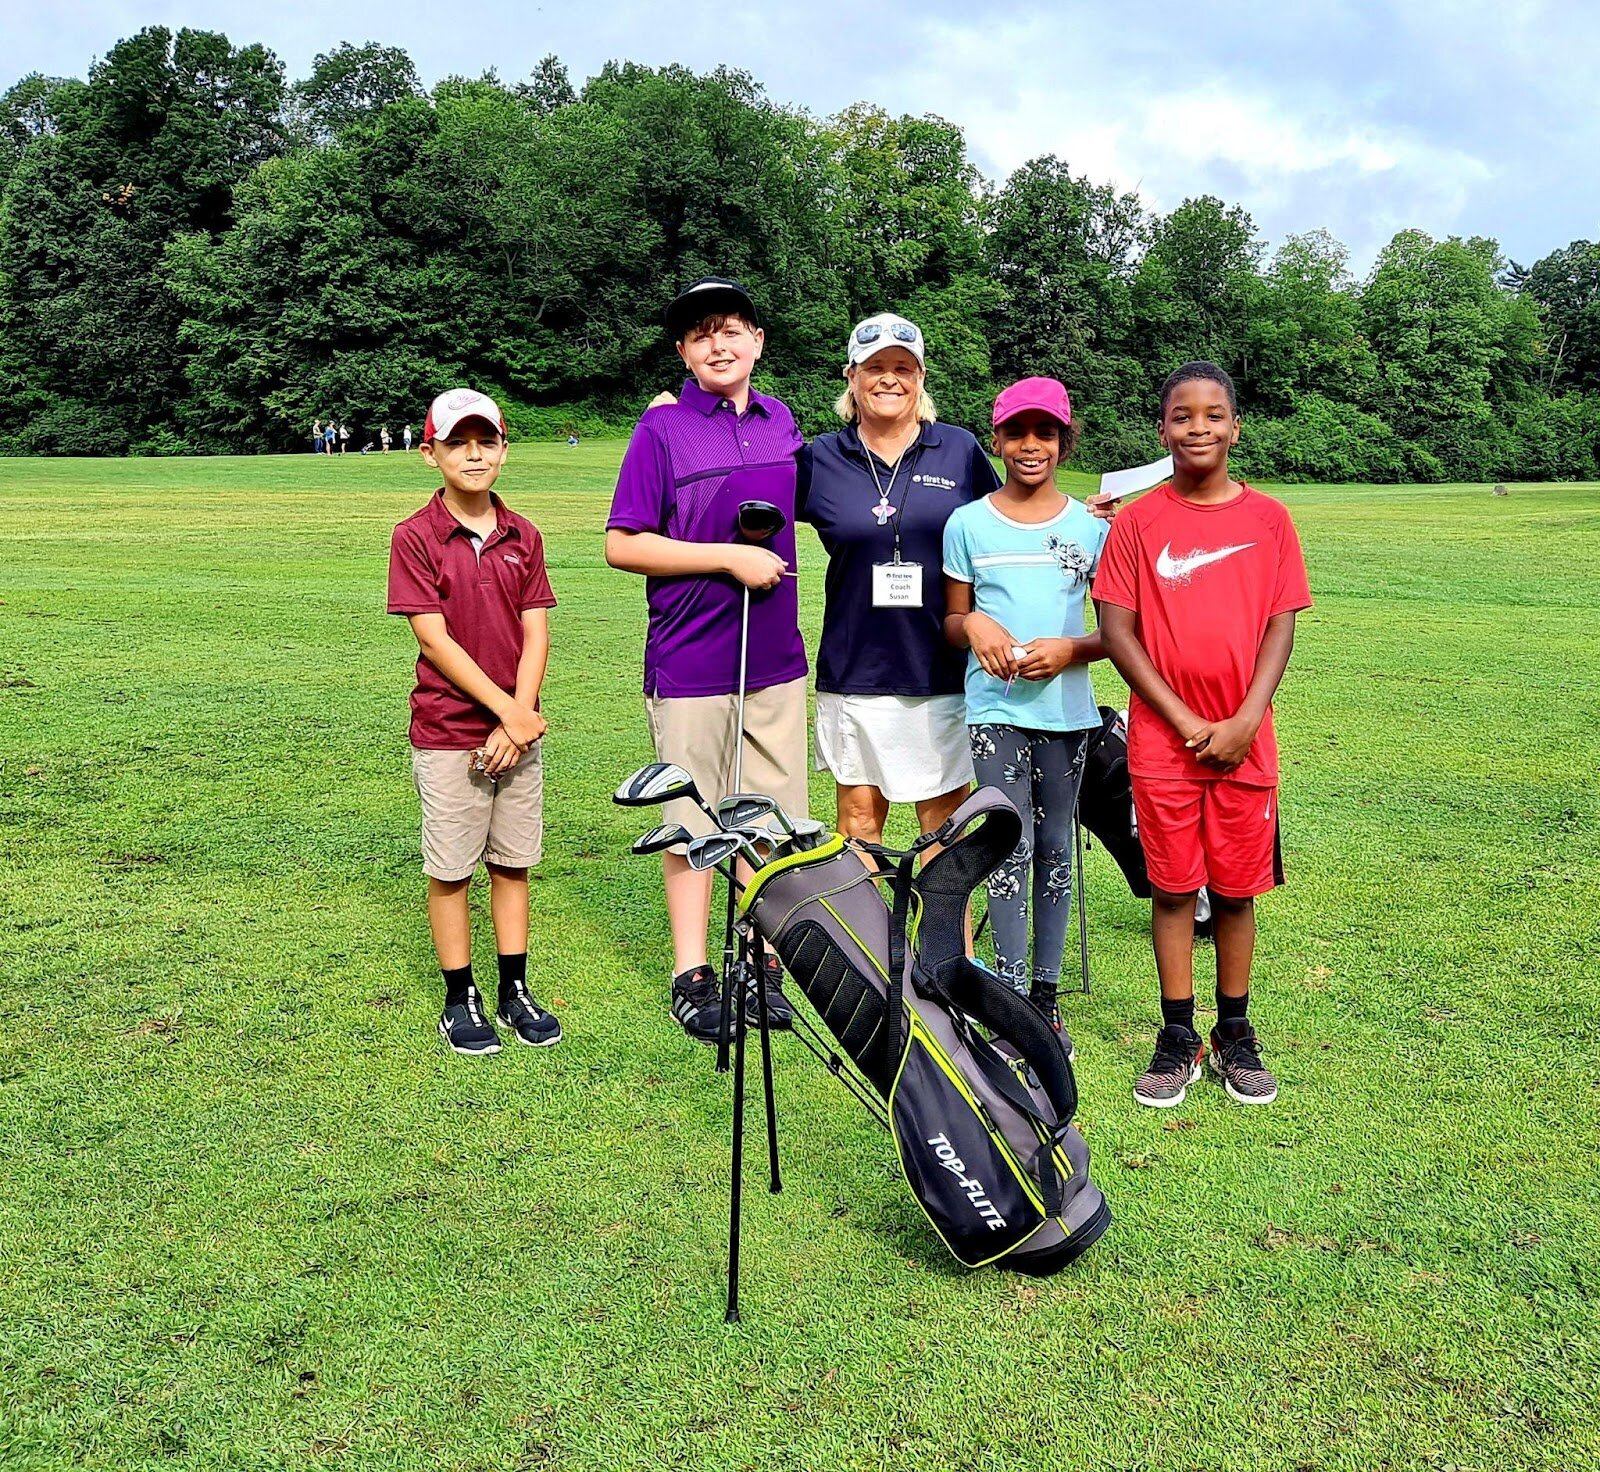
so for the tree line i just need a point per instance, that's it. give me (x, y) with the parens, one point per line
(199, 256)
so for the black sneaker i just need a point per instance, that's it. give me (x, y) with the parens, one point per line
(1046, 1002)
(528, 1021)
(464, 1027)
(1236, 1060)
(1175, 1066)
(697, 1003)
(780, 1014)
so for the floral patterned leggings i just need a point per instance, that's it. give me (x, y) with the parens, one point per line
(1040, 772)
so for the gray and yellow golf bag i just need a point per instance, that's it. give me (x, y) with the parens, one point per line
(980, 1093)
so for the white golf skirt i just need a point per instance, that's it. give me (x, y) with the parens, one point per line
(910, 747)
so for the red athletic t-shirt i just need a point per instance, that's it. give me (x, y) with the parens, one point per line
(1202, 582)
(482, 593)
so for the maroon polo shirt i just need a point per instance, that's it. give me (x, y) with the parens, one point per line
(482, 593)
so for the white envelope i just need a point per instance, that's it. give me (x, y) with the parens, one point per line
(1115, 484)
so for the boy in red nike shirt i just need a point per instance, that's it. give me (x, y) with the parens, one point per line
(1196, 593)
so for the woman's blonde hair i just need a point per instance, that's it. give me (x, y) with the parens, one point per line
(845, 405)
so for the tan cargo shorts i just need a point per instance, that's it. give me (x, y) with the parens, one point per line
(698, 733)
(468, 818)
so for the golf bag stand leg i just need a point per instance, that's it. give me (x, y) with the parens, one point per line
(758, 963)
(728, 978)
(735, 1193)
(1083, 912)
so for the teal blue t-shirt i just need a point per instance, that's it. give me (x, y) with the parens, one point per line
(1032, 578)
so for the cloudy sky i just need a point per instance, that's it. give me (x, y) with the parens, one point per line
(1458, 116)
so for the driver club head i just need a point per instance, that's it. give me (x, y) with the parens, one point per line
(760, 521)
(659, 782)
(712, 849)
(657, 840)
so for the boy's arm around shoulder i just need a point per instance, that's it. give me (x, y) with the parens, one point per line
(635, 542)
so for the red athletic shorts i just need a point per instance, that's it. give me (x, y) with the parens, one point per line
(1220, 833)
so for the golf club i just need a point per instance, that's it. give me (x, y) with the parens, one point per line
(713, 849)
(747, 809)
(759, 521)
(658, 839)
(659, 782)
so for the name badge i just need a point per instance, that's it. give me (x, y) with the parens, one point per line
(897, 585)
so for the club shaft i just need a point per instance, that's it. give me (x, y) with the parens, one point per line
(1083, 911)
(738, 730)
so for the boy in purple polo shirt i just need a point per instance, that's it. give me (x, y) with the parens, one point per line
(675, 520)
(469, 574)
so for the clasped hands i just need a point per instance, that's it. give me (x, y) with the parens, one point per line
(992, 645)
(508, 743)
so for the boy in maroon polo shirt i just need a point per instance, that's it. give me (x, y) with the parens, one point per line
(674, 519)
(469, 574)
(1197, 593)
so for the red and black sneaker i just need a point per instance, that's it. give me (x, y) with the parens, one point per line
(1236, 1060)
(1175, 1066)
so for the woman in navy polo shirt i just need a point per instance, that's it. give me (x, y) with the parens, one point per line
(891, 714)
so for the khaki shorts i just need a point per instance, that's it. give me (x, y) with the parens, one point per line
(468, 819)
(697, 732)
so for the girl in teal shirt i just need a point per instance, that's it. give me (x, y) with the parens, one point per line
(1017, 568)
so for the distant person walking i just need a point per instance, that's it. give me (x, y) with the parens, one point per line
(406, 435)
(384, 437)
(327, 438)
(344, 438)
(316, 436)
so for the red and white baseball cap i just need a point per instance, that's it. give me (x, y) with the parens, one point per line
(456, 404)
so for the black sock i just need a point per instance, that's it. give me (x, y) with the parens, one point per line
(1178, 1013)
(456, 982)
(1232, 1009)
(513, 972)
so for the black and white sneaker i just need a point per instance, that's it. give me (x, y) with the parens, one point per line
(697, 1003)
(464, 1027)
(528, 1021)
(780, 1013)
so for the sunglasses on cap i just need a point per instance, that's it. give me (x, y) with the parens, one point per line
(870, 332)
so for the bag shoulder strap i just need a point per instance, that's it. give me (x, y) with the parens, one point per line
(897, 964)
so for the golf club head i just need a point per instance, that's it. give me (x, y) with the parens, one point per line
(659, 839)
(711, 849)
(760, 843)
(654, 783)
(760, 521)
(745, 810)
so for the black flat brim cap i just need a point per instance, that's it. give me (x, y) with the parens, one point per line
(711, 296)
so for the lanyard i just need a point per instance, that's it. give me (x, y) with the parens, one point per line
(885, 511)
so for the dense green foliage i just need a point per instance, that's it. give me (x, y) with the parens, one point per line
(255, 1219)
(196, 255)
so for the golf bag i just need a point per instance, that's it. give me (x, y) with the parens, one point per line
(1105, 799)
(979, 1088)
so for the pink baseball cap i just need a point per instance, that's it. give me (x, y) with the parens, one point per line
(456, 404)
(1048, 395)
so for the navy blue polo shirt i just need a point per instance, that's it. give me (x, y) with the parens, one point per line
(887, 651)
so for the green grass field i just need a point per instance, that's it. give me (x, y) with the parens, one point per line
(252, 1216)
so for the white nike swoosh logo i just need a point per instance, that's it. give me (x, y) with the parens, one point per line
(1177, 569)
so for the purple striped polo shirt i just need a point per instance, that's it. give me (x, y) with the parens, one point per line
(687, 468)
